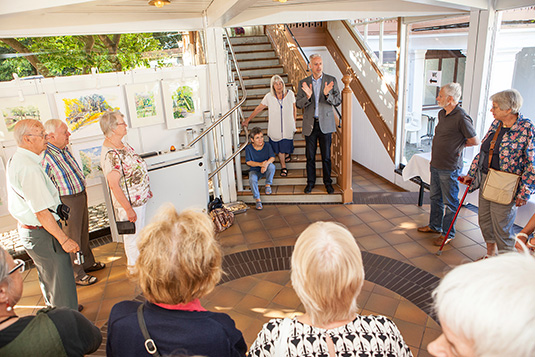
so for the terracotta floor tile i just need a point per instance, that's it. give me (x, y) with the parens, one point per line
(430, 335)
(453, 258)
(370, 216)
(249, 215)
(409, 312)
(288, 241)
(389, 252)
(350, 220)
(232, 230)
(277, 277)
(266, 290)
(283, 232)
(378, 289)
(106, 306)
(261, 245)
(91, 310)
(360, 230)
(234, 249)
(433, 324)
(299, 218)
(257, 236)
(381, 304)
(371, 242)
(461, 240)
(319, 216)
(223, 296)
(381, 226)
(412, 333)
(389, 212)
(299, 228)
(310, 208)
(125, 289)
(232, 240)
(92, 293)
(287, 297)
(474, 251)
(275, 222)
(285, 210)
(396, 237)
(411, 250)
(337, 210)
(32, 288)
(31, 275)
(431, 264)
(252, 306)
(251, 226)
(242, 285)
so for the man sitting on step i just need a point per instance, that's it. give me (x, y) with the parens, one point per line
(259, 156)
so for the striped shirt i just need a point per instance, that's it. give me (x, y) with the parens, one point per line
(63, 170)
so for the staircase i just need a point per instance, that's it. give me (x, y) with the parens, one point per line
(258, 63)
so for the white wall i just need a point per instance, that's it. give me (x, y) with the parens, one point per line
(144, 139)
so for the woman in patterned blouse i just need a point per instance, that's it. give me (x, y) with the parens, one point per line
(327, 275)
(127, 177)
(513, 152)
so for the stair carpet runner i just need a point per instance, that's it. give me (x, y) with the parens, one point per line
(258, 63)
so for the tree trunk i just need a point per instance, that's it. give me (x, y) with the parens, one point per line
(34, 61)
(89, 42)
(112, 45)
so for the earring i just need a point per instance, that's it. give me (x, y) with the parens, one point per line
(8, 307)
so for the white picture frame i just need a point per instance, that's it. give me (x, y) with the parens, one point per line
(87, 154)
(81, 110)
(187, 110)
(144, 104)
(12, 109)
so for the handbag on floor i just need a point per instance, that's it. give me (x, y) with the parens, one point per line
(499, 186)
(123, 227)
(222, 217)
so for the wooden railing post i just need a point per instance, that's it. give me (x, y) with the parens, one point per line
(347, 162)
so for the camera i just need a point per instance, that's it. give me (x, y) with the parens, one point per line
(63, 211)
(79, 260)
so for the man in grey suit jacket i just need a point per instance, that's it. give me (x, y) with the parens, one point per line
(316, 95)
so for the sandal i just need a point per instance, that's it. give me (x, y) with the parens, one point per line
(284, 172)
(259, 205)
(288, 158)
(268, 190)
(87, 280)
(96, 266)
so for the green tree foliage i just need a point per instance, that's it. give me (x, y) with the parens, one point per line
(74, 55)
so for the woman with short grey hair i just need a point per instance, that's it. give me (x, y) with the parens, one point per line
(486, 309)
(127, 177)
(514, 153)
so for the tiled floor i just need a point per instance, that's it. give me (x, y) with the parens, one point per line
(384, 229)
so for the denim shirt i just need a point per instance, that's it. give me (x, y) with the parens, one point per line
(516, 152)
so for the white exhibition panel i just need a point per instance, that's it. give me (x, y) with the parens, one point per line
(182, 182)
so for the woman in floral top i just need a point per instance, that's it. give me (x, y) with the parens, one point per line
(127, 177)
(513, 152)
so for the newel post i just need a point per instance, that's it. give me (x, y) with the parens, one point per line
(347, 121)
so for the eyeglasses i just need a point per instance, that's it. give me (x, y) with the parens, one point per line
(19, 264)
(39, 135)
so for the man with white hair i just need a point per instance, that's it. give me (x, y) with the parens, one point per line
(486, 309)
(33, 201)
(67, 176)
(454, 132)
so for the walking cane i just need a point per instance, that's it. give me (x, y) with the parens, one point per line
(454, 219)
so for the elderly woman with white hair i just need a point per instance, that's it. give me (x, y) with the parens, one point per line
(507, 147)
(327, 275)
(486, 309)
(281, 120)
(127, 177)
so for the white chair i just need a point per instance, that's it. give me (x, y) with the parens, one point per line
(413, 124)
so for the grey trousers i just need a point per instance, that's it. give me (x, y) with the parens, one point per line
(77, 229)
(496, 222)
(53, 267)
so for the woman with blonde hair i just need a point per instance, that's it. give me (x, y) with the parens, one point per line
(127, 177)
(327, 275)
(179, 263)
(281, 120)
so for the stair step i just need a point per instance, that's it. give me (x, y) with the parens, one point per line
(269, 53)
(258, 63)
(266, 80)
(261, 71)
(262, 123)
(295, 177)
(247, 47)
(294, 194)
(248, 39)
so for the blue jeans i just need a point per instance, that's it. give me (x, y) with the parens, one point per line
(254, 176)
(444, 195)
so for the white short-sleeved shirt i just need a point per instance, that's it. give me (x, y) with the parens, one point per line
(26, 176)
(281, 121)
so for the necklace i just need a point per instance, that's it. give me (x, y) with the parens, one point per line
(8, 318)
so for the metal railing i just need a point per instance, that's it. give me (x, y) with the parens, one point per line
(226, 115)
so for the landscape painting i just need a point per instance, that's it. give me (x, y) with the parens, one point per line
(13, 109)
(88, 157)
(81, 110)
(182, 102)
(144, 104)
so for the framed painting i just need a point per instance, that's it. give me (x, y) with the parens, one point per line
(81, 109)
(182, 100)
(12, 110)
(88, 156)
(144, 104)
(3, 190)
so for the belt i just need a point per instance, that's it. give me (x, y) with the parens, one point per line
(30, 227)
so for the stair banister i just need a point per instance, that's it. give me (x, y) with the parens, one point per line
(346, 178)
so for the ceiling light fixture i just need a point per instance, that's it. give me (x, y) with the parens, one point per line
(281, 1)
(159, 3)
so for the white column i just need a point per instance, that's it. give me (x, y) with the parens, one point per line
(481, 39)
(216, 60)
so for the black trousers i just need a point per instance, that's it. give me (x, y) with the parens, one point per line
(325, 150)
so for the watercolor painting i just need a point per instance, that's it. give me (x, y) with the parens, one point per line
(144, 104)
(81, 110)
(182, 102)
(13, 109)
(88, 156)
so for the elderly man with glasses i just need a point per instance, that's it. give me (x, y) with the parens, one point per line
(33, 201)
